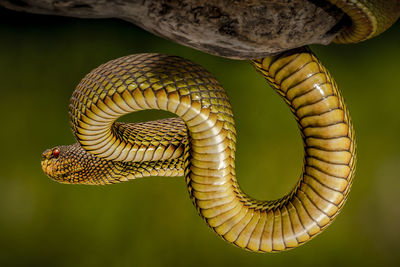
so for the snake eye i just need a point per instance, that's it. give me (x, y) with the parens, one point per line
(56, 152)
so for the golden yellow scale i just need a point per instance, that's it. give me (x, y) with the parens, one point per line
(200, 144)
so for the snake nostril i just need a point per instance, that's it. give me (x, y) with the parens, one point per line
(46, 154)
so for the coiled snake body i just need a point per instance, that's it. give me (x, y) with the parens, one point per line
(200, 144)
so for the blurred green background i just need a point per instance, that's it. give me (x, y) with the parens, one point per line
(151, 222)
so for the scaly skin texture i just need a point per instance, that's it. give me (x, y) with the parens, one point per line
(201, 145)
(368, 18)
(153, 81)
(74, 165)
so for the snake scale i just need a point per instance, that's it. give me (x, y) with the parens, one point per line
(200, 143)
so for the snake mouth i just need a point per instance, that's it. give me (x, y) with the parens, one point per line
(54, 170)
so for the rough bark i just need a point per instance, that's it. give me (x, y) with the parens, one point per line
(240, 29)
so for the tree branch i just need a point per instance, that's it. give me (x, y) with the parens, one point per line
(240, 29)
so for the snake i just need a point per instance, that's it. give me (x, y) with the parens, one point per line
(200, 142)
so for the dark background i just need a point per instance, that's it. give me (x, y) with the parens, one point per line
(151, 222)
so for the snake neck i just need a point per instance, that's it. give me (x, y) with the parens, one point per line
(74, 165)
(368, 18)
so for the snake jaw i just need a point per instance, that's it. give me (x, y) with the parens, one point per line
(60, 168)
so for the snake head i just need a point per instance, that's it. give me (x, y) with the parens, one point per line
(59, 163)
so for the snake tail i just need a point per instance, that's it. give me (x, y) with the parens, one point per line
(207, 158)
(367, 18)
